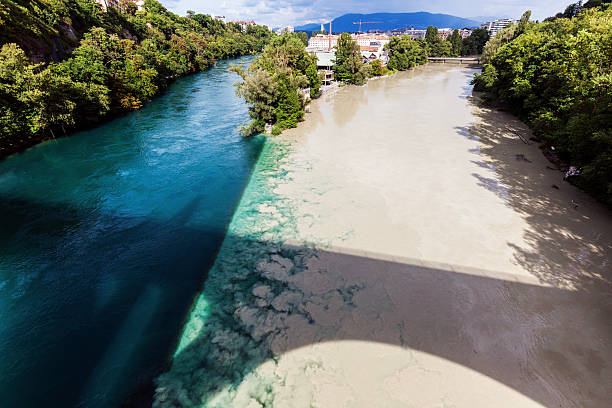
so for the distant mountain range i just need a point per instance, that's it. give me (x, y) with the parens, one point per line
(392, 21)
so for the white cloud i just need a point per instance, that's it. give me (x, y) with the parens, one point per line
(296, 12)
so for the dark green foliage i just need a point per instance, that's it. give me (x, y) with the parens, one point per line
(303, 37)
(474, 44)
(349, 66)
(456, 42)
(431, 35)
(405, 53)
(273, 86)
(558, 76)
(436, 46)
(289, 108)
(121, 60)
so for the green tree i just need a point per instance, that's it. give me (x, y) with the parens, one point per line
(456, 42)
(436, 46)
(431, 35)
(121, 59)
(376, 68)
(405, 53)
(274, 84)
(303, 37)
(349, 66)
(556, 76)
(289, 109)
(474, 44)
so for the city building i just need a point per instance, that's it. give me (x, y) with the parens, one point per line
(367, 42)
(465, 33)
(444, 33)
(494, 27)
(322, 42)
(413, 33)
(243, 24)
(325, 64)
(283, 30)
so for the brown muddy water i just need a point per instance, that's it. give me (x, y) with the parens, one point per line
(404, 247)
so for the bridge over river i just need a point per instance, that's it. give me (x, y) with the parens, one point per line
(460, 60)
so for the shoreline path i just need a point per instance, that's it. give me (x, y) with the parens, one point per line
(404, 247)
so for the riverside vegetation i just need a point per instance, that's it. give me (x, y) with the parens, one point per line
(281, 81)
(65, 64)
(274, 82)
(557, 76)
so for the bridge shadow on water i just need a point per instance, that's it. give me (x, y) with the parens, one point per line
(544, 335)
(519, 332)
(97, 311)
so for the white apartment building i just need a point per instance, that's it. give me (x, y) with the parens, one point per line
(371, 40)
(321, 41)
(444, 33)
(465, 33)
(283, 30)
(494, 27)
(415, 33)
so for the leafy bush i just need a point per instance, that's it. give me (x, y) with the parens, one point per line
(273, 84)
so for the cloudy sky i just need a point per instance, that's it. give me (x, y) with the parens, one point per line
(277, 13)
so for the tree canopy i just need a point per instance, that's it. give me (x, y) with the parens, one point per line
(557, 75)
(405, 53)
(349, 66)
(273, 84)
(111, 61)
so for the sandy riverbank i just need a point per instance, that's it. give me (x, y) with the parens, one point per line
(403, 247)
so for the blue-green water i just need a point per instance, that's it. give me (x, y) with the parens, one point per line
(105, 239)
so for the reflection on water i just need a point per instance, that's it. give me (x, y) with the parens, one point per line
(105, 239)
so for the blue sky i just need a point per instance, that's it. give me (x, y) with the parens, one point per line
(276, 13)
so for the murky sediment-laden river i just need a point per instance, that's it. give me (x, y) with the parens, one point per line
(105, 238)
(403, 246)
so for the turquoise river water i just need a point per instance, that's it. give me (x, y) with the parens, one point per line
(105, 239)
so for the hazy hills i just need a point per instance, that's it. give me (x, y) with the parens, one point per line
(391, 21)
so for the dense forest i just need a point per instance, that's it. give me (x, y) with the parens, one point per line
(557, 76)
(66, 64)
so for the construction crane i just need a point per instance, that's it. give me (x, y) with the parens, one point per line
(365, 22)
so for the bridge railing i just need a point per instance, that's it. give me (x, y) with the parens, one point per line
(461, 60)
